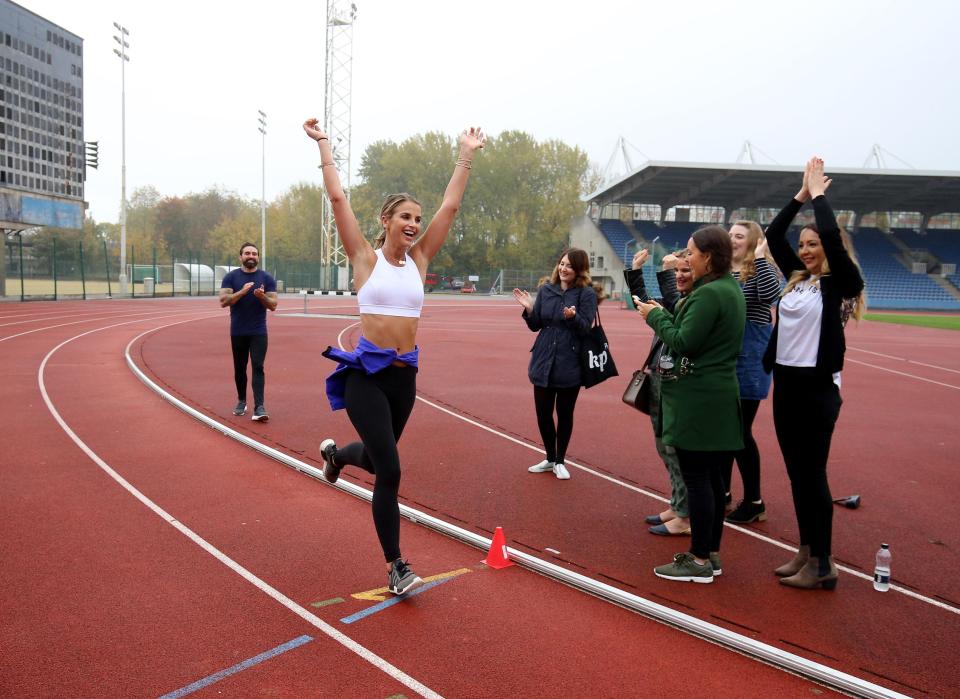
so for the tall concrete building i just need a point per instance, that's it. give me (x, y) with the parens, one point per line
(42, 150)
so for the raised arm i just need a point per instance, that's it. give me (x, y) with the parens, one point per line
(425, 249)
(843, 269)
(776, 233)
(355, 245)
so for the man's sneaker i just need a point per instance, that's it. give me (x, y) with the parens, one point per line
(260, 413)
(747, 512)
(542, 467)
(328, 450)
(685, 569)
(240, 408)
(401, 579)
(715, 564)
(561, 472)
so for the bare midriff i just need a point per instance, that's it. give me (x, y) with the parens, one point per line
(390, 332)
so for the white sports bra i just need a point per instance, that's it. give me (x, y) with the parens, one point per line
(392, 291)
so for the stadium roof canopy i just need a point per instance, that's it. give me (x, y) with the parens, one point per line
(735, 186)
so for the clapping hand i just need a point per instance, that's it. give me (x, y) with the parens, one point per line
(524, 299)
(569, 312)
(816, 182)
(761, 250)
(259, 291)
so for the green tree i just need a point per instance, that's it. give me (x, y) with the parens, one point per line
(517, 209)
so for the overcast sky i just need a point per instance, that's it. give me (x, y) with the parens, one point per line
(685, 81)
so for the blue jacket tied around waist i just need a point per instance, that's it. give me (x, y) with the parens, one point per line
(366, 356)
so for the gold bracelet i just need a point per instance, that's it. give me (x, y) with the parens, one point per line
(464, 163)
(326, 164)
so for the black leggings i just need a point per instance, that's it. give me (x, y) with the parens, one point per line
(705, 495)
(255, 347)
(748, 458)
(555, 438)
(806, 406)
(378, 406)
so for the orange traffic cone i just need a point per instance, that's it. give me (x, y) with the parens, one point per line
(498, 557)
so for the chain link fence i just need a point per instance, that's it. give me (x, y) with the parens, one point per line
(71, 270)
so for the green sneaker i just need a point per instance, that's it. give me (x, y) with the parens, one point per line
(685, 569)
(715, 564)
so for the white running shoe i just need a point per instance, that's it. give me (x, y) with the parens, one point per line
(561, 472)
(543, 467)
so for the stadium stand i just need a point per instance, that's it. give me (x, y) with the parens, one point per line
(667, 188)
(890, 282)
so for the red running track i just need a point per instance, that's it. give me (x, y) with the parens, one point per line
(104, 598)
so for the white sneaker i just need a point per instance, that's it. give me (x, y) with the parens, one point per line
(542, 467)
(561, 472)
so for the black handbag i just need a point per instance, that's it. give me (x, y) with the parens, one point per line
(596, 362)
(637, 393)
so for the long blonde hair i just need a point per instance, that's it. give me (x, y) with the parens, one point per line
(390, 205)
(851, 307)
(754, 236)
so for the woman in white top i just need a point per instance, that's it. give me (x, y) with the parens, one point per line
(377, 382)
(806, 355)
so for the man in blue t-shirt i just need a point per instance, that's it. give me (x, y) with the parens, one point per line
(249, 292)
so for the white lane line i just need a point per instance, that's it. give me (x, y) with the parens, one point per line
(902, 373)
(39, 319)
(87, 320)
(905, 359)
(272, 592)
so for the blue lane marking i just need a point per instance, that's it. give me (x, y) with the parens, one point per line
(390, 602)
(217, 676)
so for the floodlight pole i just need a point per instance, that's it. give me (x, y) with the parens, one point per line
(337, 119)
(263, 188)
(122, 53)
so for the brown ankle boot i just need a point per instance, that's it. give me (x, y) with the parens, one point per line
(794, 566)
(814, 575)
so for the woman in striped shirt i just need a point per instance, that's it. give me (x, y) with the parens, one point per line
(761, 287)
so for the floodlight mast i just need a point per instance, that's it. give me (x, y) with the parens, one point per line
(262, 128)
(122, 55)
(337, 120)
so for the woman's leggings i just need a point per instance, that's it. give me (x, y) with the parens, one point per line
(748, 458)
(805, 410)
(378, 406)
(701, 473)
(555, 437)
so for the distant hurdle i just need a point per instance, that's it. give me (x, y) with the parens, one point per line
(323, 292)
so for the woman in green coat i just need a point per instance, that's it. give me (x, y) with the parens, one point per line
(700, 395)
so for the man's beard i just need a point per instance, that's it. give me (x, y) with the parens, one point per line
(249, 264)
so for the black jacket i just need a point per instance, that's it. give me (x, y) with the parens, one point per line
(667, 281)
(555, 358)
(843, 281)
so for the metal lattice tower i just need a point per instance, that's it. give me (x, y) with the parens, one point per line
(336, 115)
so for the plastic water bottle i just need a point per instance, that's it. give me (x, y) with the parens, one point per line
(881, 574)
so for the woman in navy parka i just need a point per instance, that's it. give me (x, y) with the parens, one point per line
(562, 313)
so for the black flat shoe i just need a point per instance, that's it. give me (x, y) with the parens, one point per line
(653, 519)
